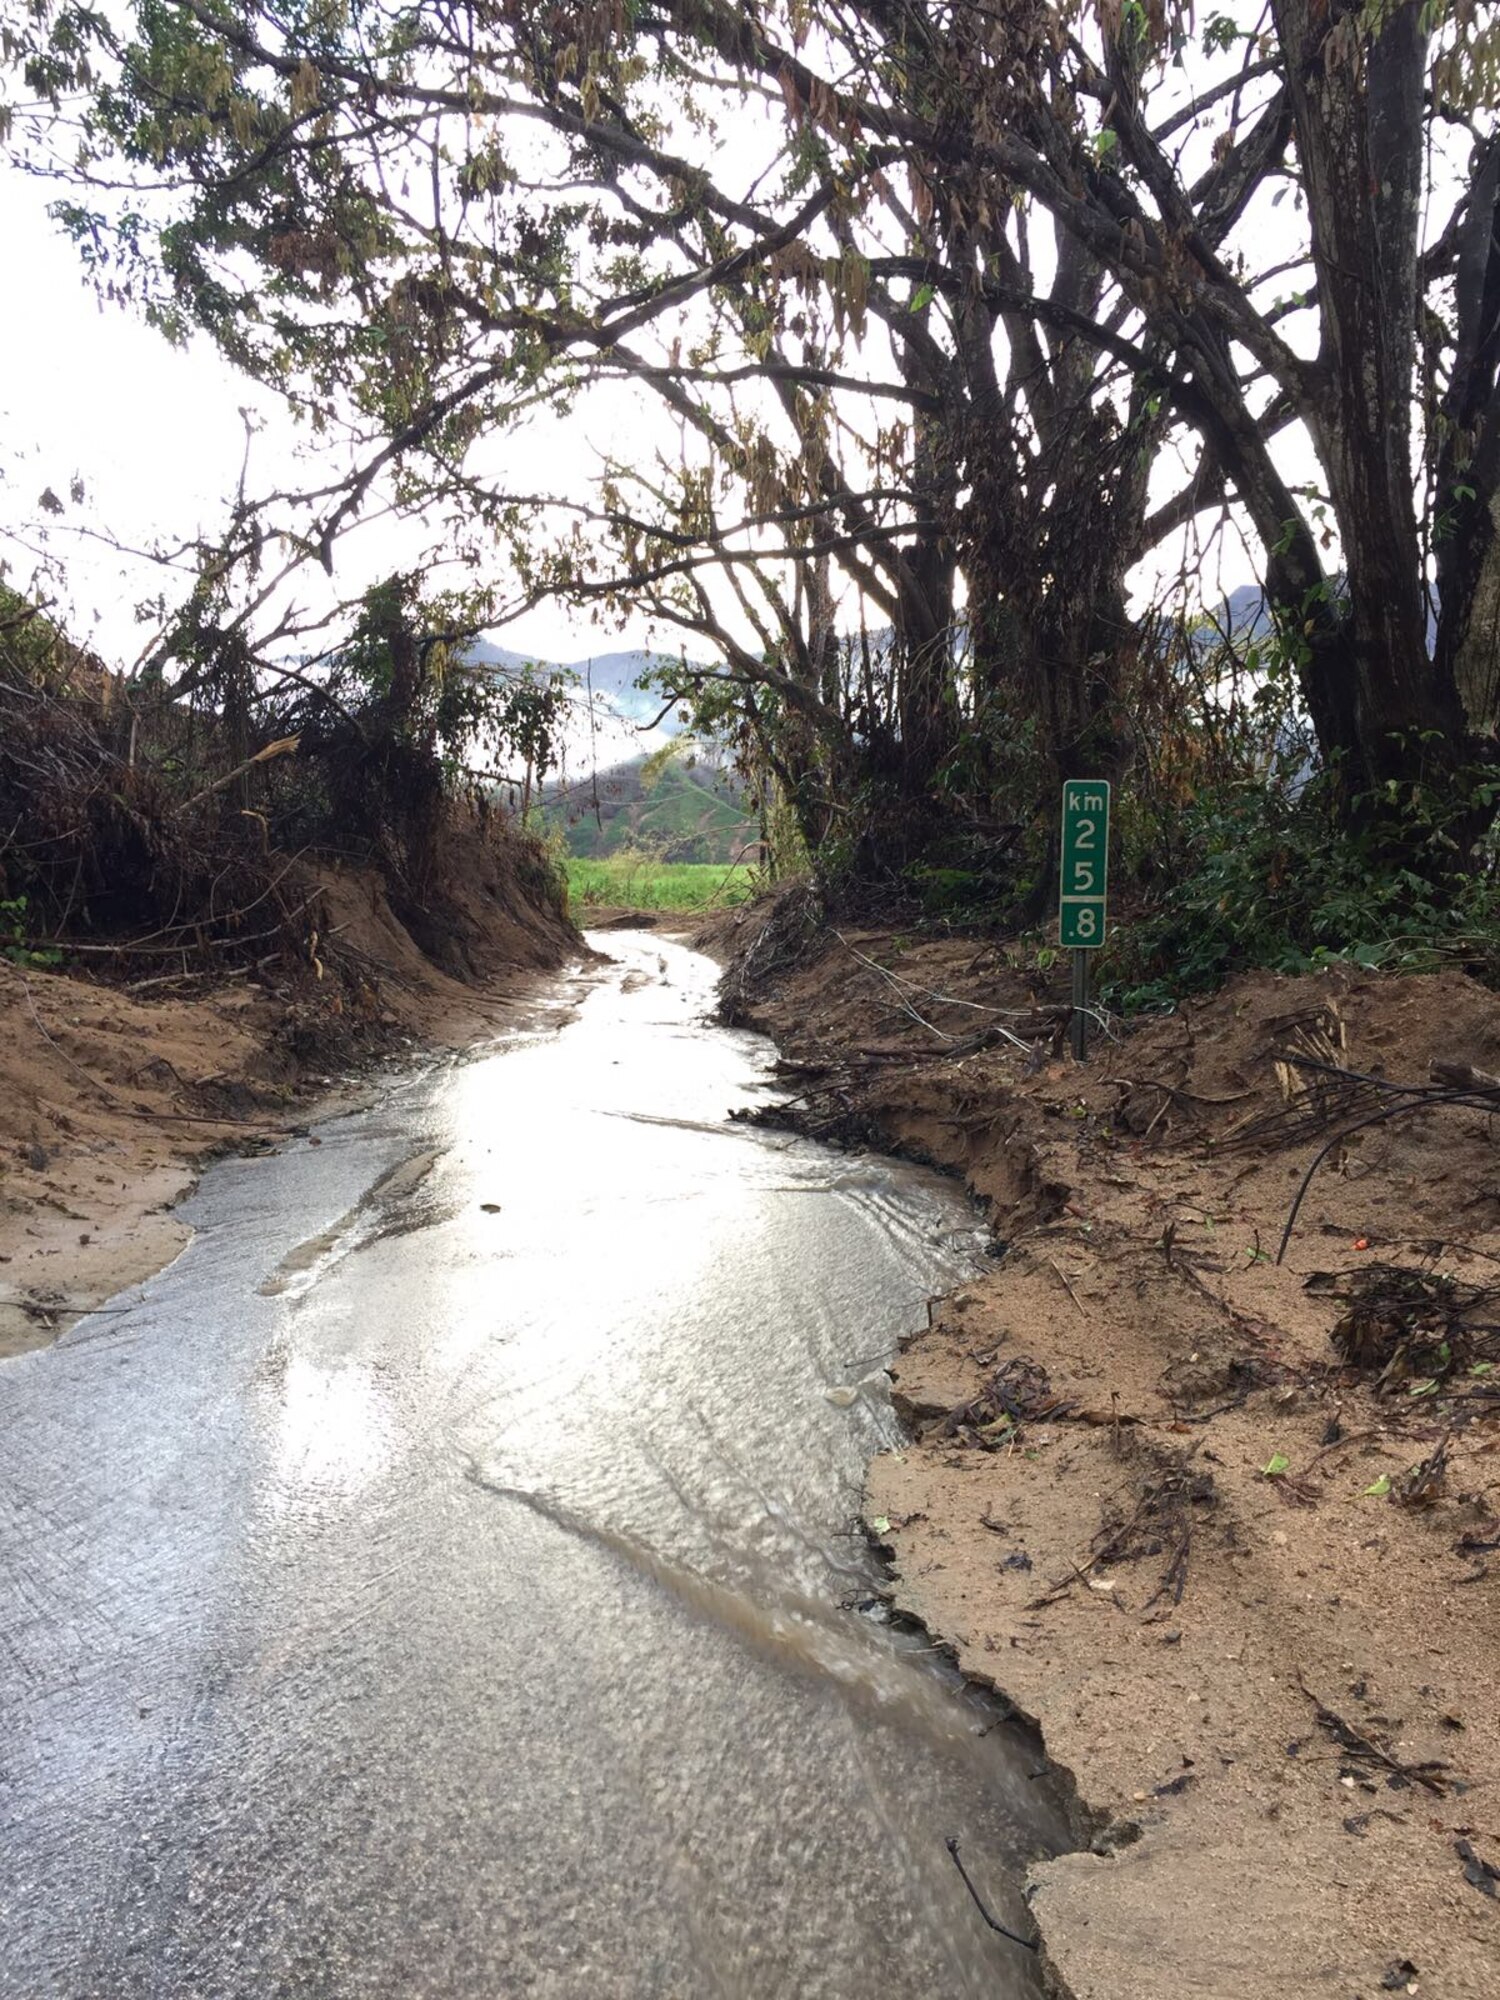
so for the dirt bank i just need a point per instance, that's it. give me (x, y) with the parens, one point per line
(1226, 1529)
(113, 1095)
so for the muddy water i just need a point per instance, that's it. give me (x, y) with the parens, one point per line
(439, 1583)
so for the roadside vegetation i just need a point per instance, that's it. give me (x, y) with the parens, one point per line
(984, 354)
(167, 828)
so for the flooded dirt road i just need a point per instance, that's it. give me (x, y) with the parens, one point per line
(438, 1582)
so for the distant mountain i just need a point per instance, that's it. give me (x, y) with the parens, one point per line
(1248, 616)
(611, 677)
(1246, 613)
(687, 809)
(606, 792)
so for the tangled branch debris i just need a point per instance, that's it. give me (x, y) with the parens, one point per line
(145, 837)
(1406, 1326)
(1361, 1750)
(1162, 1522)
(783, 939)
(1454, 1085)
(1019, 1392)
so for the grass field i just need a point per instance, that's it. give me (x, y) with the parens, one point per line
(634, 882)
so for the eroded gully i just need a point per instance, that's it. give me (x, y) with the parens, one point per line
(443, 1580)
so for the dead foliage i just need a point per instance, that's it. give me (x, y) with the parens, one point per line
(785, 937)
(1150, 1105)
(828, 1114)
(1017, 1393)
(155, 838)
(1364, 1755)
(1414, 1330)
(1168, 1504)
(828, 1102)
(1315, 1090)
(1365, 1101)
(1478, 1873)
(97, 841)
(1426, 1483)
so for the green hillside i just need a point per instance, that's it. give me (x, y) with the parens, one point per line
(684, 812)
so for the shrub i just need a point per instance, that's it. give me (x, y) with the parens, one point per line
(1265, 875)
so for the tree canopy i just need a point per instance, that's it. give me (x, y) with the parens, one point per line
(910, 337)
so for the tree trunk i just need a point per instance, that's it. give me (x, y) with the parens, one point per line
(1357, 95)
(1467, 533)
(927, 715)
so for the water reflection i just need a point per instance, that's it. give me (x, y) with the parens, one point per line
(441, 1583)
(333, 1432)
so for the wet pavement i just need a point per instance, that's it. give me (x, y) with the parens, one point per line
(443, 1580)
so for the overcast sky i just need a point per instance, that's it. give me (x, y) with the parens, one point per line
(156, 436)
(84, 393)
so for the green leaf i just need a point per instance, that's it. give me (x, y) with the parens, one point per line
(881, 1524)
(1379, 1487)
(1426, 1387)
(1275, 1465)
(922, 296)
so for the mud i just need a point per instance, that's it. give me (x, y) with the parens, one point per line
(1247, 1590)
(114, 1096)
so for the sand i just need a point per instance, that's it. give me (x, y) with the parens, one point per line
(1138, 1498)
(112, 1099)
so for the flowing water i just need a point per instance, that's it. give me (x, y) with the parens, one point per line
(443, 1580)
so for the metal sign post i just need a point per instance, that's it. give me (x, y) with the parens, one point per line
(1083, 888)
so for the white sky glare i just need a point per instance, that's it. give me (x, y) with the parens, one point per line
(91, 393)
(156, 436)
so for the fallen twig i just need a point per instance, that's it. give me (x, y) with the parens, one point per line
(904, 987)
(285, 746)
(1062, 1277)
(1026, 1944)
(1360, 1745)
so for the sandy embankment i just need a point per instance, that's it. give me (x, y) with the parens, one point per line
(1249, 1591)
(112, 1100)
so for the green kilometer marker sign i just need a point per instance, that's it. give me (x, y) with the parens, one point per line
(1085, 863)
